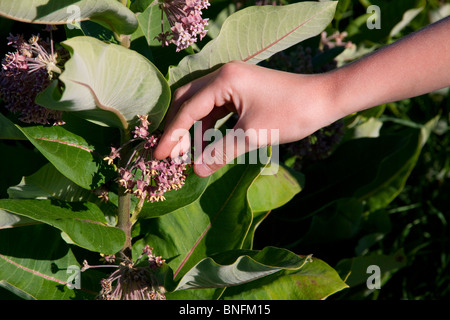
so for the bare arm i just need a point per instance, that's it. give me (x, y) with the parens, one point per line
(414, 65)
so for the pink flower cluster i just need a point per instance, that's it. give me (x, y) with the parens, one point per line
(143, 176)
(23, 76)
(185, 19)
(130, 282)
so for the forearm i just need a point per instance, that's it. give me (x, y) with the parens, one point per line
(414, 65)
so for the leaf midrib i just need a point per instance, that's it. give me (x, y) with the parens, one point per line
(208, 227)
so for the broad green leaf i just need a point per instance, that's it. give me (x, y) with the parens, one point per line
(354, 270)
(239, 267)
(150, 24)
(373, 170)
(340, 220)
(217, 221)
(109, 13)
(149, 27)
(8, 130)
(315, 280)
(17, 159)
(254, 34)
(272, 189)
(9, 220)
(68, 152)
(48, 183)
(83, 222)
(393, 174)
(140, 5)
(108, 84)
(34, 264)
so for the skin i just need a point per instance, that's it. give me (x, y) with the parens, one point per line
(297, 104)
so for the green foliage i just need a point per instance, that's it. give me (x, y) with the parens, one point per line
(249, 231)
(108, 84)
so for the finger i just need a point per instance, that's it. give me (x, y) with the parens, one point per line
(207, 123)
(183, 137)
(195, 108)
(223, 151)
(184, 93)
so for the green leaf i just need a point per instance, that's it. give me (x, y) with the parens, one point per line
(391, 16)
(149, 28)
(83, 222)
(340, 220)
(150, 24)
(8, 130)
(68, 152)
(315, 280)
(272, 189)
(140, 5)
(355, 269)
(254, 34)
(220, 219)
(109, 13)
(408, 16)
(17, 159)
(48, 183)
(34, 264)
(108, 84)
(277, 186)
(373, 170)
(238, 267)
(9, 220)
(217, 221)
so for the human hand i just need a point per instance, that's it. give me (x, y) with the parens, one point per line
(264, 100)
(297, 105)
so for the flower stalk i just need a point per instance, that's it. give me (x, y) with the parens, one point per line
(142, 176)
(124, 205)
(132, 280)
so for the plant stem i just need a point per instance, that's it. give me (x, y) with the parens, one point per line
(124, 221)
(124, 204)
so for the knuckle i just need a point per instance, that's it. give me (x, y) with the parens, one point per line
(232, 69)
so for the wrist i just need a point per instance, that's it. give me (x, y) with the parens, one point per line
(338, 96)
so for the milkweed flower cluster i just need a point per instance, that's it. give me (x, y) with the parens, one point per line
(25, 73)
(132, 282)
(186, 22)
(143, 176)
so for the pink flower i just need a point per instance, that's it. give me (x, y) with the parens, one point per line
(143, 176)
(25, 73)
(132, 280)
(185, 19)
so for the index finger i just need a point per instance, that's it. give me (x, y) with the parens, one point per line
(191, 103)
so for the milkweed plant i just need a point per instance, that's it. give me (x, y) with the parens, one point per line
(87, 212)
